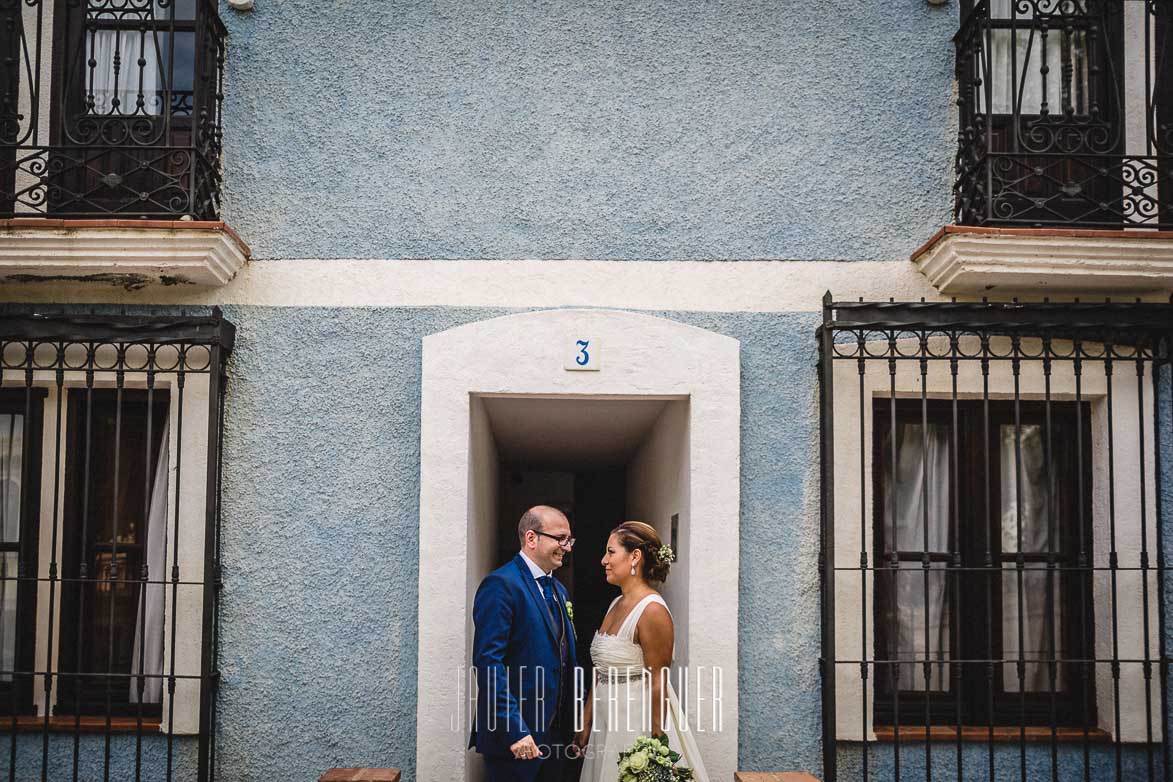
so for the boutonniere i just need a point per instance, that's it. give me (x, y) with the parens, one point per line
(570, 615)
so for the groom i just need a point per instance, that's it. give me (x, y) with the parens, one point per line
(523, 653)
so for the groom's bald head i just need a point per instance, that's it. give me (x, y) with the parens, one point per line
(536, 519)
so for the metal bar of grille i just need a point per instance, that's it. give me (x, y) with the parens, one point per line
(113, 574)
(988, 558)
(863, 569)
(1144, 569)
(83, 567)
(826, 554)
(1086, 670)
(1019, 561)
(144, 574)
(59, 375)
(208, 674)
(180, 384)
(1162, 623)
(1113, 563)
(894, 562)
(1052, 553)
(927, 668)
(956, 673)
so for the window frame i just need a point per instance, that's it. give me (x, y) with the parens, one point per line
(94, 691)
(16, 697)
(1075, 704)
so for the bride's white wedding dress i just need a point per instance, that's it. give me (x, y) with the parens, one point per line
(625, 692)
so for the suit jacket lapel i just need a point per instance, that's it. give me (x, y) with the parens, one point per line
(535, 593)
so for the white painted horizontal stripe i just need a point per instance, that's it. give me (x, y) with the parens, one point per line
(706, 286)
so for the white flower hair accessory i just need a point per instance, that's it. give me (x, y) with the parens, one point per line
(666, 554)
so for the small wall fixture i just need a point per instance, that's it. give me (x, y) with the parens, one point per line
(241, 5)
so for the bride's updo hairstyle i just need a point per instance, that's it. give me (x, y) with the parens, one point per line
(638, 535)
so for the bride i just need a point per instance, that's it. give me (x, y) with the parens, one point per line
(631, 653)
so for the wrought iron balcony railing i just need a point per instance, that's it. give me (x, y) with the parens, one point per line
(1066, 114)
(110, 108)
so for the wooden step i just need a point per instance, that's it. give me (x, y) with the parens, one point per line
(360, 775)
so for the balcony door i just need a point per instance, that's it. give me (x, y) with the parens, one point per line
(122, 107)
(1048, 91)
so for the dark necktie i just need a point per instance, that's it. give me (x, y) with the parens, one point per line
(547, 583)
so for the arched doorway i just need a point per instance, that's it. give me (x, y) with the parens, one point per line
(662, 408)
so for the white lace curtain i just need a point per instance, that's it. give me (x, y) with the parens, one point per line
(1016, 60)
(917, 610)
(127, 65)
(11, 462)
(922, 616)
(1036, 508)
(148, 631)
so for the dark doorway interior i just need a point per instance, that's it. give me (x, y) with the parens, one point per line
(595, 503)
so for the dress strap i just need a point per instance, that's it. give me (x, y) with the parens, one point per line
(627, 629)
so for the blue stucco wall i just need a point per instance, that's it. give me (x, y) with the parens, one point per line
(589, 129)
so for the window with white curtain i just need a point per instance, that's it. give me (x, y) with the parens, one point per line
(973, 489)
(20, 427)
(1032, 68)
(138, 54)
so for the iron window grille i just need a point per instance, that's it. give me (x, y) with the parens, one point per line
(1064, 113)
(110, 463)
(992, 573)
(110, 108)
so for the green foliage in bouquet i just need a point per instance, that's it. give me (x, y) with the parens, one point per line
(651, 760)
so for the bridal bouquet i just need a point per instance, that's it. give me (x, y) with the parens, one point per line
(651, 760)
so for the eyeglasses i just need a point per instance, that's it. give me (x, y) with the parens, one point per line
(565, 541)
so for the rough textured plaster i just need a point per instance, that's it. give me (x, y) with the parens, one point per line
(320, 562)
(91, 750)
(589, 129)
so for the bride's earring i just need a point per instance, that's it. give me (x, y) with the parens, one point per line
(633, 568)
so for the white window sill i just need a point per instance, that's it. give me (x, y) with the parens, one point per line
(967, 261)
(126, 253)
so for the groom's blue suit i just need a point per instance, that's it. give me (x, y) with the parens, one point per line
(524, 659)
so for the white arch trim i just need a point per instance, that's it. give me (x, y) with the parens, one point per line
(641, 356)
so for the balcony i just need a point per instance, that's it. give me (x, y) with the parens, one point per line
(1065, 114)
(110, 121)
(1064, 169)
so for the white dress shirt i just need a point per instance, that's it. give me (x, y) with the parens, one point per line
(534, 569)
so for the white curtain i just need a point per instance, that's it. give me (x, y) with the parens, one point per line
(920, 460)
(148, 632)
(1036, 507)
(126, 47)
(11, 453)
(1016, 60)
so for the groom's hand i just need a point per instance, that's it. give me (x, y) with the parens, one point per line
(525, 749)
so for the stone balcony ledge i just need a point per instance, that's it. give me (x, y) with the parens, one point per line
(969, 260)
(125, 253)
